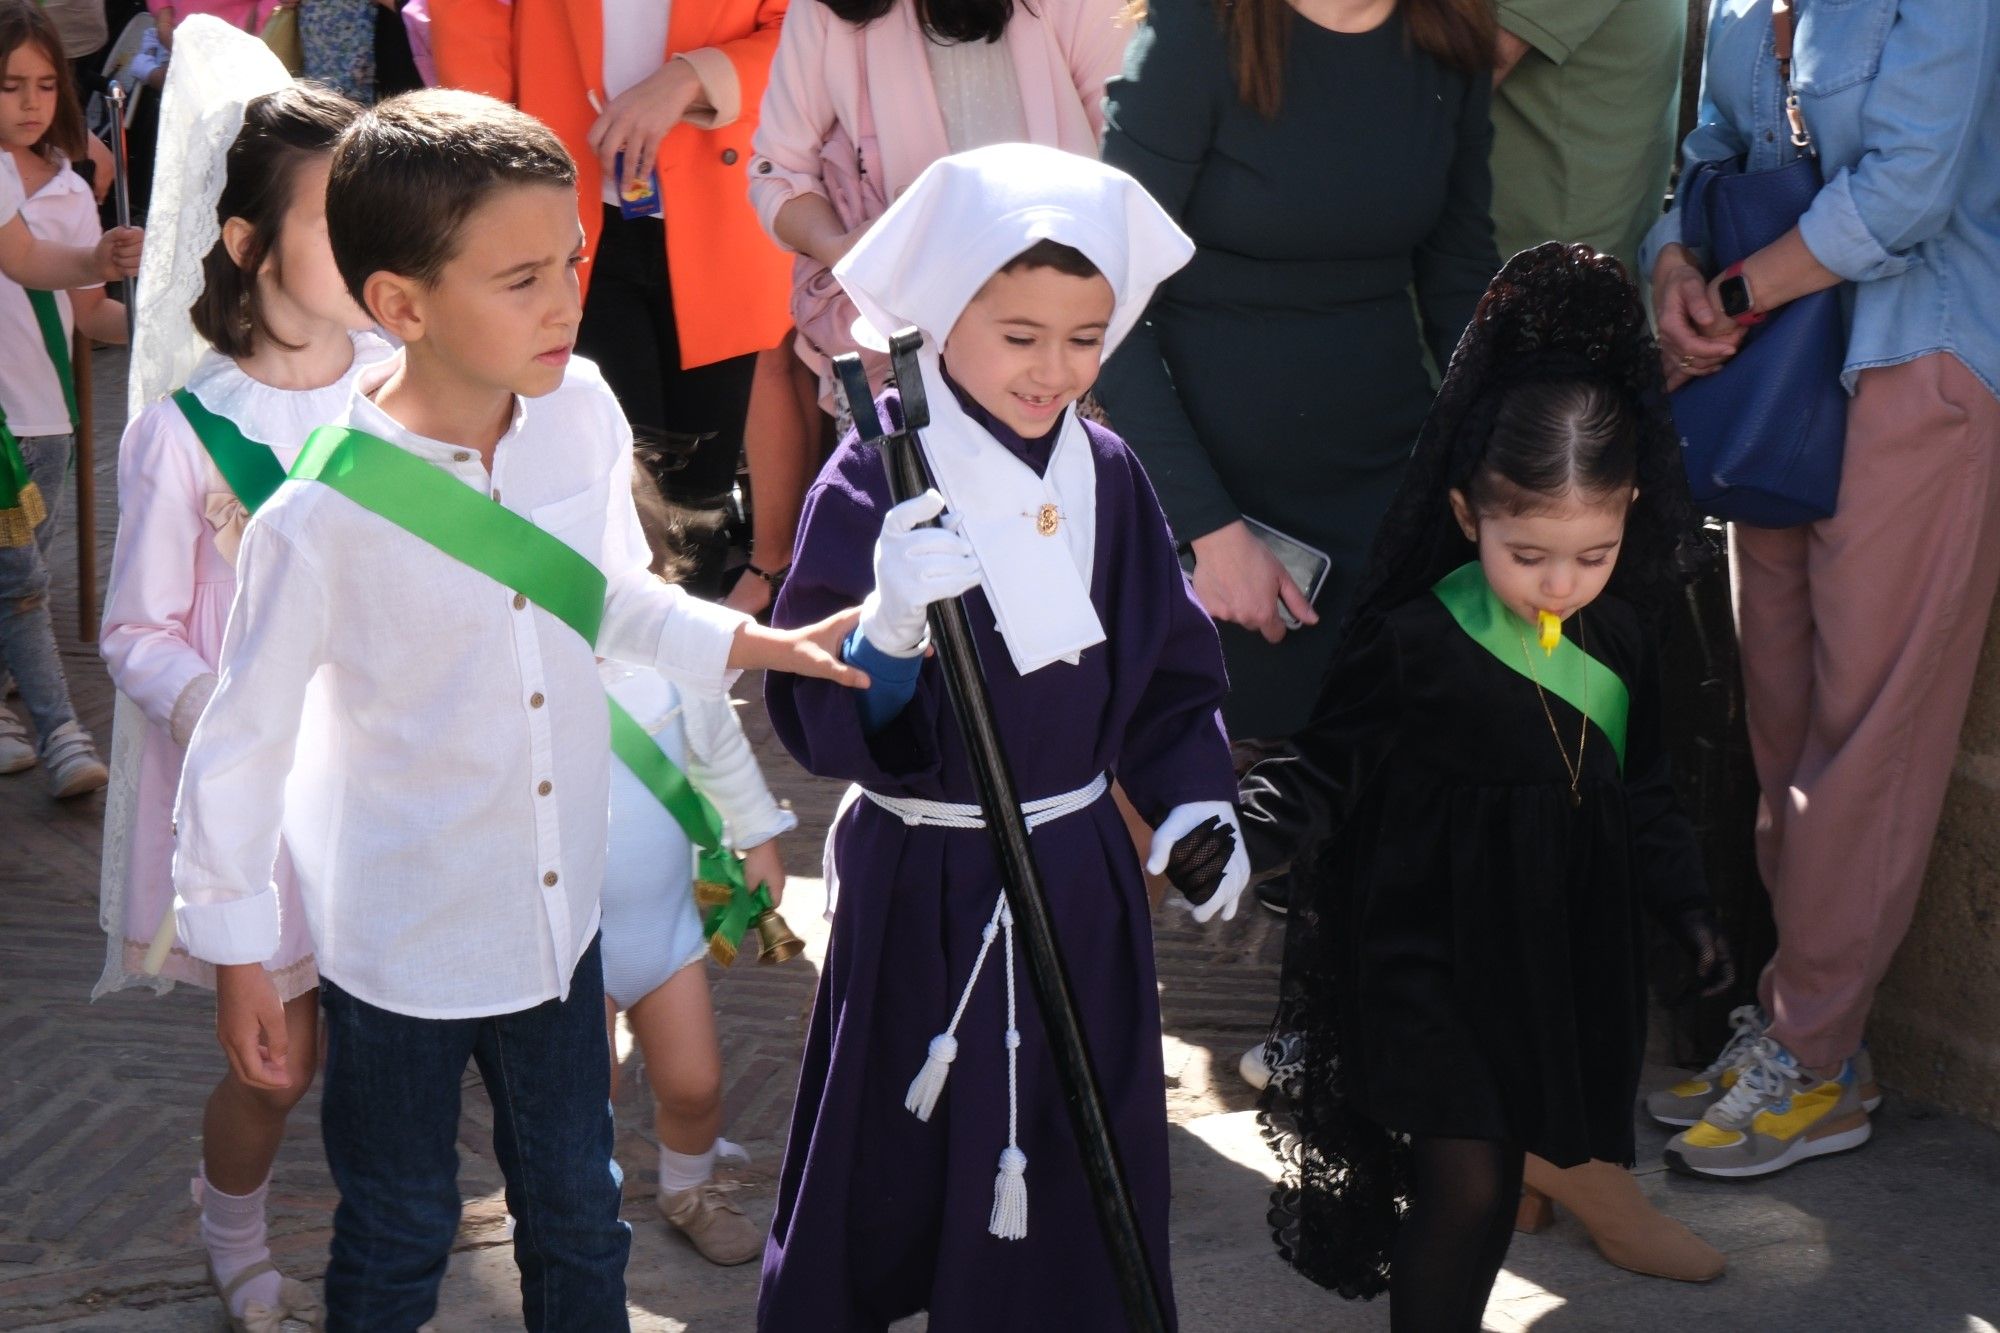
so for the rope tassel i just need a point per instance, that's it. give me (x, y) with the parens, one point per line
(1010, 1196)
(928, 1085)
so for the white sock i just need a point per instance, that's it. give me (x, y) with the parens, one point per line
(683, 1171)
(232, 1227)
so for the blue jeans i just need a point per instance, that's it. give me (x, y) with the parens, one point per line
(27, 632)
(389, 1115)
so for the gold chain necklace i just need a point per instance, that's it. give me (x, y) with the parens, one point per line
(1575, 770)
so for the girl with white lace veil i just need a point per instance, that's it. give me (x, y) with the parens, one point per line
(245, 323)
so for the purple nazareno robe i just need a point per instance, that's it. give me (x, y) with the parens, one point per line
(880, 1214)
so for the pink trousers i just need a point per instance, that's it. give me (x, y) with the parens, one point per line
(1860, 638)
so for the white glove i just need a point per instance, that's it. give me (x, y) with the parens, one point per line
(914, 566)
(1183, 820)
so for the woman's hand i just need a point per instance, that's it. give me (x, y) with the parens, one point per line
(640, 117)
(1237, 579)
(763, 865)
(1696, 338)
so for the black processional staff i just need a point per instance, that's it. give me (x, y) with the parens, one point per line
(965, 683)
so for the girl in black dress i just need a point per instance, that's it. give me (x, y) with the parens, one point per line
(1481, 805)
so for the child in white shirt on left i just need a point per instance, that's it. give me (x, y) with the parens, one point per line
(41, 132)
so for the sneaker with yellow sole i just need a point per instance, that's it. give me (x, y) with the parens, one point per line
(1774, 1116)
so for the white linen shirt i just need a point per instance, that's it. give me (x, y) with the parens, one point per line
(434, 749)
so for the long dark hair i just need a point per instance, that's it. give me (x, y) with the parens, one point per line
(947, 20)
(1458, 34)
(1560, 351)
(23, 23)
(282, 131)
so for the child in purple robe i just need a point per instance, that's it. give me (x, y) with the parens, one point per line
(1023, 266)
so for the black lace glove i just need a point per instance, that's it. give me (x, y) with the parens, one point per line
(1199, 860)
(1701, 935)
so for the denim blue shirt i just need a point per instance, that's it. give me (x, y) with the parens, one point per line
(1902, 98)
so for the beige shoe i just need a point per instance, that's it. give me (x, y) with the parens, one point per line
(295, 1302)
(710, 1219)
(1627, 1230)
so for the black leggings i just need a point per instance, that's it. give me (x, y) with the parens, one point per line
(688, 423)
(1463, 1197)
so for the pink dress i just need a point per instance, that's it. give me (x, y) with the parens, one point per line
(173, 576)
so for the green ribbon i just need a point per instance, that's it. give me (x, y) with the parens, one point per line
(251, 468)
(430, 504)
(22, 505)
(55, 338)
(715, 864)
(1569, 673)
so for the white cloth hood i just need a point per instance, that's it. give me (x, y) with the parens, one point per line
(924, 260)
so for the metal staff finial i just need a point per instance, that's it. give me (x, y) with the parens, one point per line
(121, 191)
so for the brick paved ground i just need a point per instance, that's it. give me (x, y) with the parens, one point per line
(100, 1117)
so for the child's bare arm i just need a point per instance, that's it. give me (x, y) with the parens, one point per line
(47, 266)
(97, 316)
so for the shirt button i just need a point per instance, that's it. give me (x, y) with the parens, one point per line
(520, 601)
(461, 457)
(763, 168)
(550, 879)
(546, 787)
(729, 157)
(535, 700)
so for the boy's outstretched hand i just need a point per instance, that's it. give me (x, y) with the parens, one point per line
(250, 1024)
(810, 650)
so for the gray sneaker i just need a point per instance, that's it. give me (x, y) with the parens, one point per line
(16, 750)
(71, 762)
(1687, 1101)
(1775, 1116)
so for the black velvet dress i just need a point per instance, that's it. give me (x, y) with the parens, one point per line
(1466, 959)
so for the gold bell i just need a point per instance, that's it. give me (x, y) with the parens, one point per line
(776, 943)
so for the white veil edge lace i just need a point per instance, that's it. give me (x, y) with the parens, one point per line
(216, 70)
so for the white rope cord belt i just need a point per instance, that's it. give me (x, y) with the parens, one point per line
(1010, 1188)
(946, 814)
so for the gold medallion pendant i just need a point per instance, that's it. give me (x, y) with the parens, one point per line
(1047, 520)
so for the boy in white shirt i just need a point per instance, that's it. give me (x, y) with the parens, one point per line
(409, 694)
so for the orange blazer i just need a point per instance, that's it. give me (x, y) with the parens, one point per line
(732, 286)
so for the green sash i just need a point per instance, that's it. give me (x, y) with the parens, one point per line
(55, 338)
(430, 504)
(1570, 673)
(729, 904)
(22, 505)
(251, 468)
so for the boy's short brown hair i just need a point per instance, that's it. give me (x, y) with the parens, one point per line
(408, 172)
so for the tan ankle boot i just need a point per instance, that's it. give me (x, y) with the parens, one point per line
(1627, 1230)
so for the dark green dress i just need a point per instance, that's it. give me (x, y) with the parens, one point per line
(1281, 375)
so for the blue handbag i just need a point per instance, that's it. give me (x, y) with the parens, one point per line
(1762, 437)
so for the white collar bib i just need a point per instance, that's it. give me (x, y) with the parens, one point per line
(1035, 536)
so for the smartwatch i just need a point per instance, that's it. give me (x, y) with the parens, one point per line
(1737, 303)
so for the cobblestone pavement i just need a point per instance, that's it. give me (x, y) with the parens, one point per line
(100, 1118)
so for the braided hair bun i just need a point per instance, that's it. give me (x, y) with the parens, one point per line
(1556, 315)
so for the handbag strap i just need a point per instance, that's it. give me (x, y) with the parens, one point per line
(1781, 46)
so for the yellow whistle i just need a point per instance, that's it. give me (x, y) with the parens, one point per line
(1551, 627)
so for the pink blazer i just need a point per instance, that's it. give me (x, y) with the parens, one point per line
(833, 84)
